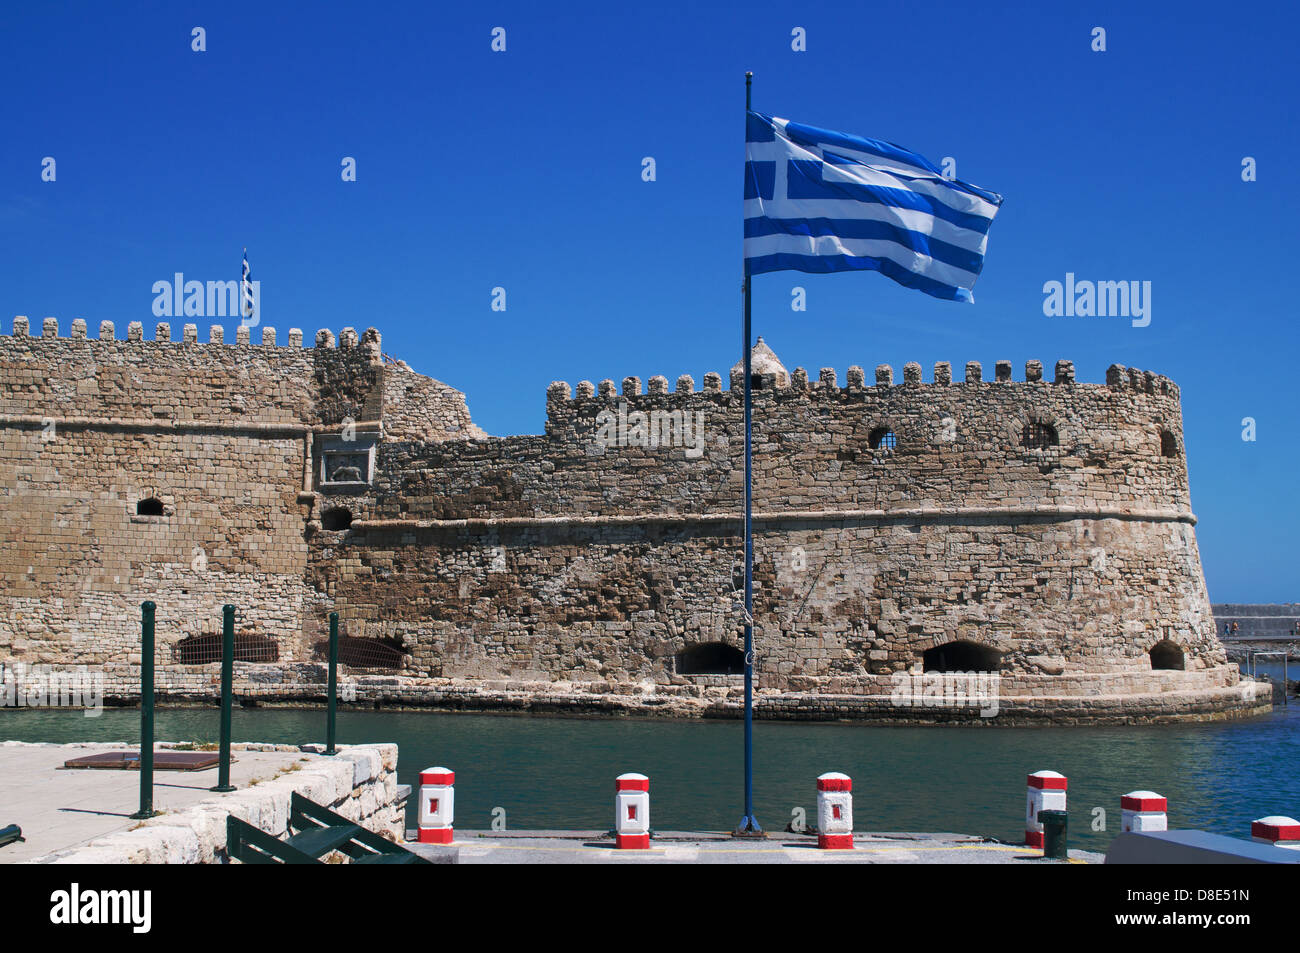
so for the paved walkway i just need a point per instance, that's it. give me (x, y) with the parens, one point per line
(59, 808)
(594, 847)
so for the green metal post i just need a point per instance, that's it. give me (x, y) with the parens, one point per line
(227, 694)
(332, 700)
(146, 711)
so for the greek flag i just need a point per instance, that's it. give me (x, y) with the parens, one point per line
(246, 288)
(821, 201)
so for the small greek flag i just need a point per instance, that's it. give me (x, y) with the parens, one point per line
(821, 201)
(246, 288)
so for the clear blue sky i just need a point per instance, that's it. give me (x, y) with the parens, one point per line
(522, 170)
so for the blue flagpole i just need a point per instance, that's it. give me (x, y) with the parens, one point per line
(749, 823)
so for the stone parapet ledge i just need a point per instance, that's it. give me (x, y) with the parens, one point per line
(296, 683)
(359, 783)
(1132, 696)
(168, 424)
(936, 513)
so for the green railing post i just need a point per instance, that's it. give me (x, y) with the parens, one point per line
(146, 711)
(227, 694)
(332, 701)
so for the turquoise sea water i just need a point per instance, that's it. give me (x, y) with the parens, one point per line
(550, 772)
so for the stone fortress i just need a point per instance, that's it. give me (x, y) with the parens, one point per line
(1039, 529)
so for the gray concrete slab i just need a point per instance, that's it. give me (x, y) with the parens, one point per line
(685, 847)
(58, 808)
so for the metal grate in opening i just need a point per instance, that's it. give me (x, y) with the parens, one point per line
(882, 440)
(1038, 436)
(206, 648)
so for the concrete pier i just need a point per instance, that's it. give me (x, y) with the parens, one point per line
(84, 815)
(686, 847)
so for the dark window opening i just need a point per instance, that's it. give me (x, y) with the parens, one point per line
(882, 440)
(150, 507)
(755, 382)
(336, 518)
(1167, 655)
(383, 654)
(712, 658)
(1039, 436)
(205, 648)
(1168, 444)
(961, 656)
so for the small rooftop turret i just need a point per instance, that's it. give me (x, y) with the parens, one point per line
(763, 363)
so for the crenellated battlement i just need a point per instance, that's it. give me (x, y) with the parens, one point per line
(249, 377)
(1119, 377)
(826, 387)
(245, 336)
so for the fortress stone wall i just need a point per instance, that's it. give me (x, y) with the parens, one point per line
(1040, 529)
(222, 435)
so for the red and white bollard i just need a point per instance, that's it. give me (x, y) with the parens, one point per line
(1143, 811)
(437, 805)
(1276, 830)
(632, 812)
(835, 811)
(1046, 792)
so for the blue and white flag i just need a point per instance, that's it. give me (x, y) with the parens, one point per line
(821, 201)
(246, 289)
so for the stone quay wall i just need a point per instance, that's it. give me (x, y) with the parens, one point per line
(1041, 529)
(1275, 622)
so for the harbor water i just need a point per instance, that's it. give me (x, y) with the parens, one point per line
(531, 772)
